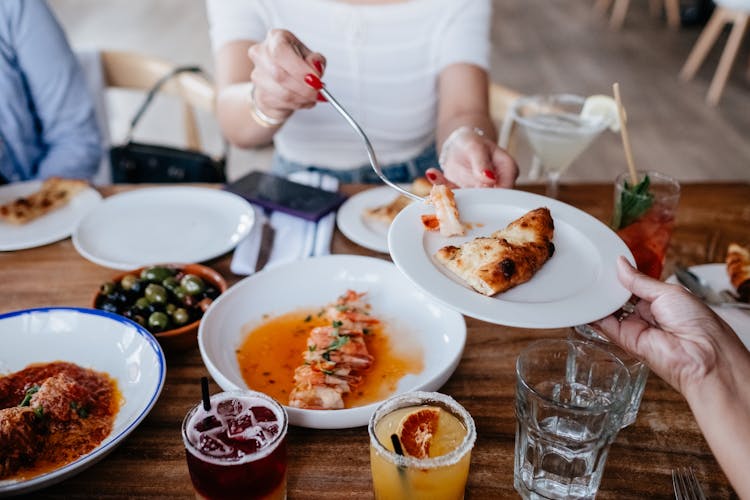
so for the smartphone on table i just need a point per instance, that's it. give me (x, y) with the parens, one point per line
(278, 193)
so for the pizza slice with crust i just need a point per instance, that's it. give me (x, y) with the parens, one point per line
(507, 257)
(53, 194)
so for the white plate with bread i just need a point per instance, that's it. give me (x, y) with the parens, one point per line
(51, 222)
(576, 285)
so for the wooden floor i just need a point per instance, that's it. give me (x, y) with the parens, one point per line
(563, 46)
(538, 46)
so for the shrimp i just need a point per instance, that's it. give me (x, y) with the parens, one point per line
(336, 355)
(446, 211)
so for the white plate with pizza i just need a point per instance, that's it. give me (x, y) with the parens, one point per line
(52, 226)
(715, 276)
(163, 224)
(578, 283)
(425, 336)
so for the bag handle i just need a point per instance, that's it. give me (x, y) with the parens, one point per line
(155, 89)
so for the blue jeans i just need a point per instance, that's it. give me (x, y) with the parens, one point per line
(397, 172)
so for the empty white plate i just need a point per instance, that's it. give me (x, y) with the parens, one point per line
(163, 224)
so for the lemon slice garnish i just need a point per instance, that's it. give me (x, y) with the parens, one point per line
(602, 107)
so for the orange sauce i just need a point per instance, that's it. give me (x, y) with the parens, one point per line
(271, 351)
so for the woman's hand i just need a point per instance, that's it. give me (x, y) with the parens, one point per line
(681, 339)
(286, 74)
(469, 159)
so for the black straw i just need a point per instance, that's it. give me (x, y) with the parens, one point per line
(206, 397)
(397, 445)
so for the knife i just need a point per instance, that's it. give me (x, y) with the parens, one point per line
(703, 291)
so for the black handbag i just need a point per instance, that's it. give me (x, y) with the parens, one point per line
(135, 162)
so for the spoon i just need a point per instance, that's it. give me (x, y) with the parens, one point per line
(370, 151)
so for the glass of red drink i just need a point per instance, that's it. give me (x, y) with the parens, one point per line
(237, 449)
(644, 220)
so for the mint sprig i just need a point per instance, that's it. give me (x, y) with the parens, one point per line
(634, 202)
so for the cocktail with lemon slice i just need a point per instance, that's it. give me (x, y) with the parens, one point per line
(560, 127)
(420, 447)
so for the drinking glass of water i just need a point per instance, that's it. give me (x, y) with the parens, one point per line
(570, 400)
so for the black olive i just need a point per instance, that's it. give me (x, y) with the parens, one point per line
(108, 306)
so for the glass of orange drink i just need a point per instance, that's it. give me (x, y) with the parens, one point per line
(420, 447)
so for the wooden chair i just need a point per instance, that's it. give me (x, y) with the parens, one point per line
(138, 71)
(620, 9)
(734, 12)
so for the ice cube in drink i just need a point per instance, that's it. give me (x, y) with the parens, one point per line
(443, 470)
(237, 449)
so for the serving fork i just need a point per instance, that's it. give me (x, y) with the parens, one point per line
(686, 485)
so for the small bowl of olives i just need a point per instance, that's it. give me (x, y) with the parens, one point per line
(169, 300)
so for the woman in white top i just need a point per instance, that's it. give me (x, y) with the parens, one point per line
(413, 73)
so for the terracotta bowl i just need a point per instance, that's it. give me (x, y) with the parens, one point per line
(185, 336)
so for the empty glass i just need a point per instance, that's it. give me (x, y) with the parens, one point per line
(570, 400)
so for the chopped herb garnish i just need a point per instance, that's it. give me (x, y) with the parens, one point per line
(342, 308)
(27, 397)
(366, 331)
(39, 412)
(321, 312)
(326, 355)
(337, 324)
(338, 342)
(312, 347)
(634, 202)
(308, 318)
(327, 372)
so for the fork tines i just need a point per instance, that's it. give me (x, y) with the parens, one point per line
(686, 485)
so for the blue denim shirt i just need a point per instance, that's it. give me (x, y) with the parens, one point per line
(47, 122)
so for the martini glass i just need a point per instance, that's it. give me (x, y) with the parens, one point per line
(557, 131)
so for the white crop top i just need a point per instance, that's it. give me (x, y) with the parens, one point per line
(382, 66)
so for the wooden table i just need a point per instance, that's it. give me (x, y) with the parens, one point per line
(335, 464)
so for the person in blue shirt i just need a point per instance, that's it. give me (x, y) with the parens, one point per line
(47, 122)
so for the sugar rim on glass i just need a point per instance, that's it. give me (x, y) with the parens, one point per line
(587, 126)
(622, 398)
(273, 405)
(421, 398)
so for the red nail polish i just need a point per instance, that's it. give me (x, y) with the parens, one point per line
(319, 66)
(490, 174)
(313, 81)
(431, 176)
(321, 98)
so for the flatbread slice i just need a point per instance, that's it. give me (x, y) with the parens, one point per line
(507, 258)
(738, 269)
(54, 193)
(384, 214)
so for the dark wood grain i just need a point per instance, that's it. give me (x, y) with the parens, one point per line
(335, 464)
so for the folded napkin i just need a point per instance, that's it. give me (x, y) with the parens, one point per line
(294, 238)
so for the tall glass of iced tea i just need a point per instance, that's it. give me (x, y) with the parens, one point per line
(237, 449)
(644, 216)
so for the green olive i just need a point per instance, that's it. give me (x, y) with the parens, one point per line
(180, 293)
(142, 303)
(180, 316)
(170, 308)
(157, 273)
(128, 281)
(107, 288)
(192, 284)
(170, 283)
(158, 321)
(156, 294)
